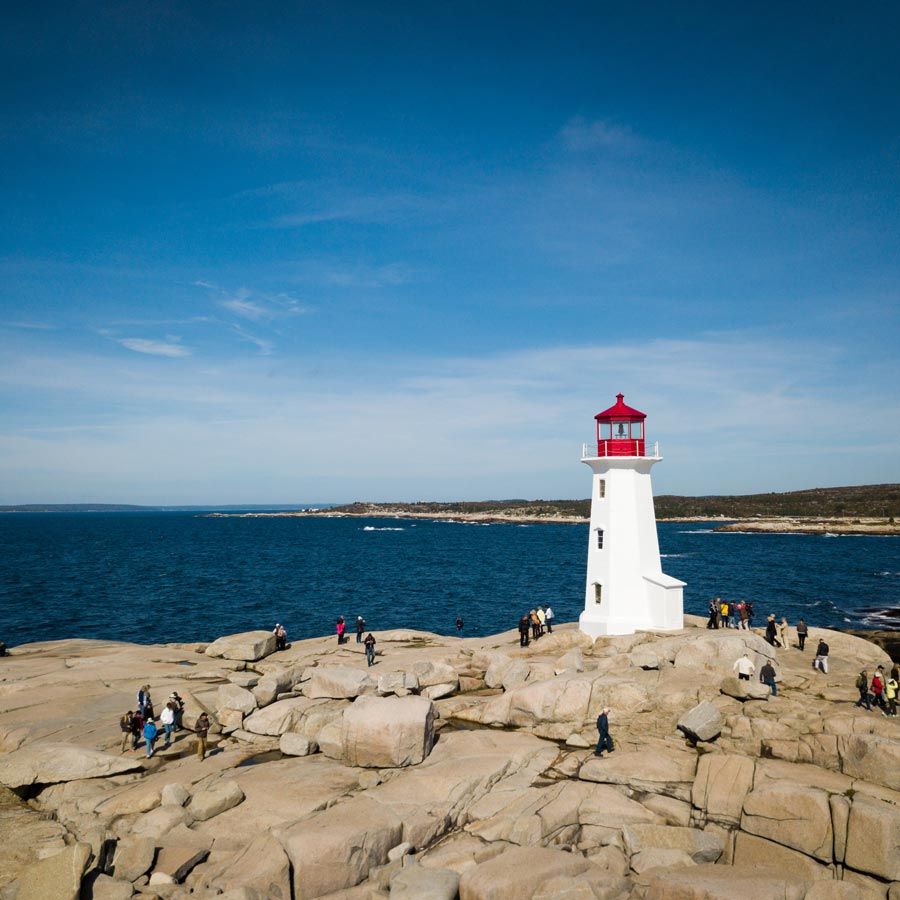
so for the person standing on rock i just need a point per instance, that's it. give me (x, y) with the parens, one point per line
(542, 620)
(459, 624)
(524, 625)
(767, 676)
(891, 686)
(340, 627)
(771, 629)
(744, 667)
(150, 733)
(743, 616)
(821, 660)
(783, 632)
(137, 729)
(713, 613)
(604, 742)
(723, 614)
(167, 720)
(749, 606)
(370, 648)
(802, 632)
(125, 724)
(202, 730)
(862, 685)
(178, 703)
(535, 624)
(144, 701)
(360, 628)
(548, 615)
(280, 636)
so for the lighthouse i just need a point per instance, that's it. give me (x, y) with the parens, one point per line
(626, 589)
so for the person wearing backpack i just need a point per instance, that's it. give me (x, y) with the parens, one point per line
(862, 685)
(802, 632)
(125, 726)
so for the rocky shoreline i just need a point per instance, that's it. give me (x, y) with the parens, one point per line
(452, 768)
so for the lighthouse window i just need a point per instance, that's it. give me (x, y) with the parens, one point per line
(599, 538)
(605, 431)
(620, 430)
(601, 488)
(637, 430)
(598, 593)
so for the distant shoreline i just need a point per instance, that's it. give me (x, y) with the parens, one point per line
(771, 525)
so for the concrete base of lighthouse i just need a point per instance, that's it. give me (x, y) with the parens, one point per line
(663, 598)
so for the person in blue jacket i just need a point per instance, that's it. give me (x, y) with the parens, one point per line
(605, 742)
(150, 733)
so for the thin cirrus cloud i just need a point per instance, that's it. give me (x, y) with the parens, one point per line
(170, 348)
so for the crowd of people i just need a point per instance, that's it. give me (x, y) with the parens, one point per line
(141, 723)
(880, 691)
(534, 624)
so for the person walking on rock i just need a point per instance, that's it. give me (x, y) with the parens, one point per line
(524, 625)
(370, 648)
(604, 742)
(744, 667)
(878, 689)
(783, 632)
(178, 703)
(767, 676)
(150, 733)
(802, 632)
(125, 725)
(862, 685)
(821, 660)
(201, 730)
(548, 615)
(360, 627)
(167, 720)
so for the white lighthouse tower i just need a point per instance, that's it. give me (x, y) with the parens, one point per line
(626, 589)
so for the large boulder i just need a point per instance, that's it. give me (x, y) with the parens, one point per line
(338, 683)
(716, 882)
(207, 803)
(722, 650)
(261, 869)
(723, 781)
(248, 646)
(279, 717)
(399, 683)
(134, 857)
(57, 877)
(871, 758)
(230, 696)
(334, 850)
(701, 846)
(744, 690)
(702, 723)
(55, 763)
(381, 732)
(419, 883)
(791, 814)
(292, 744)
(873, 838)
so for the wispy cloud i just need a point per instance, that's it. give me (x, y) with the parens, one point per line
(29, 326)
(580, 135)
(257, 306)
(170, 347)
(264, 345)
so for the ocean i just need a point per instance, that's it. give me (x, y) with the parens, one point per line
(156, 577)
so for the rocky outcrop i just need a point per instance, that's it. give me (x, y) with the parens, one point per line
(702, 723)
(338, 683)
(57, 877)
(248, 646)
(381, 732)
(54, 763)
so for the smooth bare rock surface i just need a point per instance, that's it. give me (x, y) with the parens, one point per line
(380, 732)
(518, 873)
(212, 802)
(134, 857)
(56, 878)
(54, 763)
(702, 723)
(278, 718)
(106, 888)
(292, 744)
(669, 772)
(793, 815)
(871, 758)
(723, 781)
(248, 646)
(338, 682)
(873, 838)
(744, 690)
(158, 822)
(175, 794)
(750, 850)
(177, 862)
(701, 846)
(708, 882)
(259, 869)
(231, 696)
(416, 882)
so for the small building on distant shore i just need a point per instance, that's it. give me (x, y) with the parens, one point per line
(626, 589)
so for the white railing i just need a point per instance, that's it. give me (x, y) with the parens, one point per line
(589, 451)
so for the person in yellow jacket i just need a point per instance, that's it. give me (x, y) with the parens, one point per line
(890, 691)
(723, 614)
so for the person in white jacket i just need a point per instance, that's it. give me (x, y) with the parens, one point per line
(167, 719)
(744, 667)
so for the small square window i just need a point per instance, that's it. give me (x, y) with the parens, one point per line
(598, 593)
(601, 488)
(599, 538)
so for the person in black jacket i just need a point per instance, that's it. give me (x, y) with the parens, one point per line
(605, 741)
(802, 632)
(524, 625)
(821, 660)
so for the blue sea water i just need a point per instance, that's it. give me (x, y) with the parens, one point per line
(176, 576)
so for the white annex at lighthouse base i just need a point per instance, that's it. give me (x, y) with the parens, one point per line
(626, 589)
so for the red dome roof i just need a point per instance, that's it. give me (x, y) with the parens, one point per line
(621, 411)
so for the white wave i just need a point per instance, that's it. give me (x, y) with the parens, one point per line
(673, 555)
(373, 528)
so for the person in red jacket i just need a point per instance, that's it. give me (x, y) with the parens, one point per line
(878, 687)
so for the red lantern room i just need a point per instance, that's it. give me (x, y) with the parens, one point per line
(620, 430)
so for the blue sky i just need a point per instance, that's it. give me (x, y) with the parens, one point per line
(329, 251)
